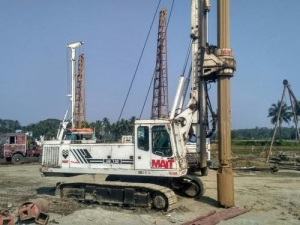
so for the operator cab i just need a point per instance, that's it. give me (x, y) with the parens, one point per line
(155, 147)
(155, 136)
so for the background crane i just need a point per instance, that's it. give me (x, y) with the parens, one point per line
(160, 104)
(74, 83)
(79, 112)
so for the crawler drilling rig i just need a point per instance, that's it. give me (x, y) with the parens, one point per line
(153, 167)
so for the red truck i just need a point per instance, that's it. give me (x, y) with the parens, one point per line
(14, 147)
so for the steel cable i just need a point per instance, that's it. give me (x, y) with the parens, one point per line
(139, 61)
(155, 68)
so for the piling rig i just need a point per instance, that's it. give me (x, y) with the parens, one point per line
(150, 170)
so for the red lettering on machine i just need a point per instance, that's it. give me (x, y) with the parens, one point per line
(160, 163)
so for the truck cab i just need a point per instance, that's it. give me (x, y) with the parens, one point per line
(16, 146)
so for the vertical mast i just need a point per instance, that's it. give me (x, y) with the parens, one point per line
(79, 113)
(160, 104)
(225, 175)
(210, 64)
(73, 46)
(199, 10)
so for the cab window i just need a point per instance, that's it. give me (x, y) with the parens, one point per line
(161, 144)
(143, 138)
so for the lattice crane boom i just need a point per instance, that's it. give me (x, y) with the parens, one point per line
(79, 112)
(160, 102)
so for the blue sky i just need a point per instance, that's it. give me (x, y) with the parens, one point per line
(35, 67)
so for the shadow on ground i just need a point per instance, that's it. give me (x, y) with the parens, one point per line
(46, 191)
(209, 201)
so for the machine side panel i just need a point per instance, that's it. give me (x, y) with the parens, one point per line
(122, 156)
(104, 156)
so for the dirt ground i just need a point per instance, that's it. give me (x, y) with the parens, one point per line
(274, 198)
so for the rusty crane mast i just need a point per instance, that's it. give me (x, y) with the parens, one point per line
(77, 88)
(79, 112)
(160, 103)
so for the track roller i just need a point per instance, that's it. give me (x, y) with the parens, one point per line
(160, 201)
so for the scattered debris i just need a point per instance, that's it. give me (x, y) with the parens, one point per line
(289, 157)
(199, 219)
(214, 217)
(244, 168)
(35, 209)
(273, 168)
(289, 167)
(287, 161)
(54, 221)
(6, 218)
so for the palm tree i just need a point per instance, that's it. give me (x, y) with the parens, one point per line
(120, 128)
(284, 115)
(106, 129)
(131, 122)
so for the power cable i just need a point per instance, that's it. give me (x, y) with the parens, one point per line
(139, 59)
(155, 68)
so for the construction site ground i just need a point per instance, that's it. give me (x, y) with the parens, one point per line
(273, 198)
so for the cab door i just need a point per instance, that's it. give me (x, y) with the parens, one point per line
(162, 157)
(142, 148)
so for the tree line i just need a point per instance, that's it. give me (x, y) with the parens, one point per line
(281, 113)
(107, 131)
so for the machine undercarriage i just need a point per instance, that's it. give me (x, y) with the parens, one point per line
(148, 192)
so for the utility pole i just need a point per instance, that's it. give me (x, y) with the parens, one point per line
(73, 46)
(294, 104)
(160, 102)
(225, 174)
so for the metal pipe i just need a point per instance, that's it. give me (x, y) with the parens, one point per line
(177, 96)
(32, 209)
(184, 90)
(199, 10)
(6, 217)
(202, 100)
(225, 183)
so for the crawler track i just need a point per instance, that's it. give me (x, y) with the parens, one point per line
(188, 185)
(120, 193)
